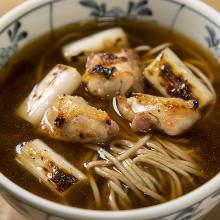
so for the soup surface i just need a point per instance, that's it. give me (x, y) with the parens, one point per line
(44, 53)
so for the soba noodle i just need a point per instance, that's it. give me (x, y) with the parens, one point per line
(145, 168)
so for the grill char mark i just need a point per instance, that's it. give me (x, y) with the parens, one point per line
(176, 86)
(61, 179)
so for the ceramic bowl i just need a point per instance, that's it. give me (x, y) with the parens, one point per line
(36, 17)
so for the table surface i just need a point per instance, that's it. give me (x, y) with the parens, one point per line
(8, 213)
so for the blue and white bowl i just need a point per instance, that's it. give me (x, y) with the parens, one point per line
(36, 17)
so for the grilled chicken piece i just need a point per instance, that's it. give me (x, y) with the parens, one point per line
(170, 115)
(61, 79)
(108, 40)
(173, 78)
(70, 118)
(47, 166)
(108, 73)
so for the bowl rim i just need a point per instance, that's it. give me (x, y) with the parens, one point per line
(44, 205)
(165, 209)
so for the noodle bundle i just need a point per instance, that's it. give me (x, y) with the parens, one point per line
(150, 169)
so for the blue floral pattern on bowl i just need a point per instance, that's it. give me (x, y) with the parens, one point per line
(213, 41)
(15, 36)
(102, 12)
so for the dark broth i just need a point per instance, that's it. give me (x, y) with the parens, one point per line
(22, 76)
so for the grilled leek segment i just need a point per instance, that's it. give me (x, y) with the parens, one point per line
(61, 79)
(173, 78)
(107, 40)
(49, 167)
